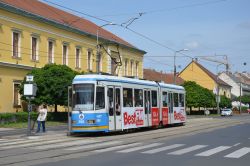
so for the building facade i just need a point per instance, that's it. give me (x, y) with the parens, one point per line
(199, 74)
(240, 84)
(33, 34)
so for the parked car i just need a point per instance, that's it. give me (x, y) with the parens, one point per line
(226, 112)
(248, 110)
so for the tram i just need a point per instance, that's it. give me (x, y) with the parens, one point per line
(104, 103)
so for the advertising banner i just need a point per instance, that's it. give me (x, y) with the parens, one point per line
(133, 118)
(155, 116)
(179, 114)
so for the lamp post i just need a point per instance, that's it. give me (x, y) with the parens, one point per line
(97, 34)
(217, 90)
(175, 64)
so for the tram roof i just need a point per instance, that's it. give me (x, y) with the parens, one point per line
(109, 78)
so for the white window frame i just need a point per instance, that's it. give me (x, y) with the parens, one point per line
(37, 48)
(132, 67)
(19, 96)
(89, 60)
(67, 51)
(136, 69)
(52, 52)
(19, 44)
(126, 67)
(79, 60)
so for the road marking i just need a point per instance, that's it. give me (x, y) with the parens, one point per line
(117, 147)
(72, 143)
(238, 153)
(139, 148)
(237, 144)
(93, 146)
(163, 149)
(213, 151)
(42, 143)
(186, 150)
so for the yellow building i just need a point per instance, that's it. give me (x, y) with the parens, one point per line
(33, 34)
(199, 74)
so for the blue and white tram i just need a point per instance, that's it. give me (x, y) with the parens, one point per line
(102, 103)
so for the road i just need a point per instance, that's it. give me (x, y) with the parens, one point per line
(202, 141)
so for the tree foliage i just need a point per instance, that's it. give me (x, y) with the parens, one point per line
(197, 96)
(225, 102)
(244, 99)
(52, 82)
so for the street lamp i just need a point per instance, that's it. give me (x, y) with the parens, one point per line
(175, 64)
(97, 34)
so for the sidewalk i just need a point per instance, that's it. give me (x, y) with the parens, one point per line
(11, 133)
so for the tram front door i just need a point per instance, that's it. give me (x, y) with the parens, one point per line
(114, 108)
(147, 108)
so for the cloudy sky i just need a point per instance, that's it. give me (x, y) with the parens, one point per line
(212, 28)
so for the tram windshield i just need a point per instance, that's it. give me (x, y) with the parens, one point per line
(83, 97)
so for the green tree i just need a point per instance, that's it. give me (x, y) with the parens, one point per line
(197, 96)
(52, 82)
(225, 102)
(244, 99)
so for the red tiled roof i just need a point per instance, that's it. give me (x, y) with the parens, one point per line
(46, 11)
(168, 78)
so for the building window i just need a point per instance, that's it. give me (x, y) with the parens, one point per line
(65, 55)
(16, 95)
(113, 66)
(89, 60)
(16, 45)
(132, 67)
(98, 62)
(78, 64)
(50, 52)
(34, 50)
(136, 69)
(126, 68)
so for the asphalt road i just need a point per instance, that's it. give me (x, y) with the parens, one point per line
(206, 149)
(202, 141)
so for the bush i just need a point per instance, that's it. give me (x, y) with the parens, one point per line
(23, 117)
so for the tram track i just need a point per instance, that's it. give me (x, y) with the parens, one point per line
(143, 136)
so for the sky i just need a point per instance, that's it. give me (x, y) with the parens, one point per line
(211, 28)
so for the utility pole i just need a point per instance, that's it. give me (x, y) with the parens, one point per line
(240, 97)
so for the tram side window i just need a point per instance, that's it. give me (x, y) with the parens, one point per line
(127, 97)
(176, 101)
(138, 98)
(100, 98)
(181, 100)
(154, 98)
(164, 99)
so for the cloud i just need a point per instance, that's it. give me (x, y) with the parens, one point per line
(192, 44)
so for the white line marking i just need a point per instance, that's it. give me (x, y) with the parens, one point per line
(186, 150)
(117, 147)
(163, 149)
(64, 144)
(32, 144)
(237, 144)
(93, 146)
(238, 153)
(213, 151)
(139, 148)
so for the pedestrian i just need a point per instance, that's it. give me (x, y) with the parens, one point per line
(41, 118)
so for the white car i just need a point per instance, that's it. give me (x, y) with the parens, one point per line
(226, 112)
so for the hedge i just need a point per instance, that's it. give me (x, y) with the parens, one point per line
(23, 117)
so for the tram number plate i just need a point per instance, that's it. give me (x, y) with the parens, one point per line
(91, 121)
